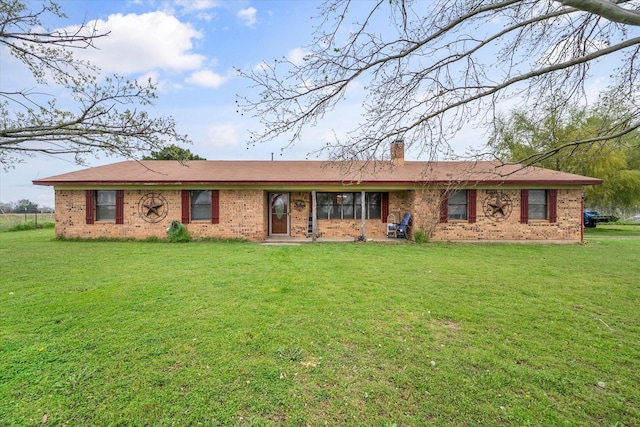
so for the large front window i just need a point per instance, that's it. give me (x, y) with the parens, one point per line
(348, 205)
(200, 205)
(105, 205)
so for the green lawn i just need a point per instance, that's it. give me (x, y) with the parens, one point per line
(202, 333)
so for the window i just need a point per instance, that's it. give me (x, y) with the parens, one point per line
(457, 205)
(200, 205)
(373, 205)
(348, 205)
(105, 205)
(537, 204)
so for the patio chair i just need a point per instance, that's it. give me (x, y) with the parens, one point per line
(391, 225)
(401, 230)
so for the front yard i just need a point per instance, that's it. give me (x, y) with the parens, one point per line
(140, 333)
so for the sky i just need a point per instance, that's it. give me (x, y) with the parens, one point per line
(191, 50)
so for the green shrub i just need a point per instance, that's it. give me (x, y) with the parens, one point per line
(178, 233)
(420, 236)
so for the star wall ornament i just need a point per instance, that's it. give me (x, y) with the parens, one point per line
(153, 207)
(497, 206)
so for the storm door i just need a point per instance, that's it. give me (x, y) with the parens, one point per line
(279, 213)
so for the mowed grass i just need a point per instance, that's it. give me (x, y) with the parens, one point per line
(204, 333)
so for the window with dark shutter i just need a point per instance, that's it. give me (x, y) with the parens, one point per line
(119, 206)
(186, 203)
(90, 206)
(215, 206)
(524, 206)
(444, 206)
(472, 205)
(553, 205)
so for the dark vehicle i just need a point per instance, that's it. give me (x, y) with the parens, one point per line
(591, 218)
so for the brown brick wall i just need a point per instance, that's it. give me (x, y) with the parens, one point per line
(241, 216)
(244, 214)
(568, 225)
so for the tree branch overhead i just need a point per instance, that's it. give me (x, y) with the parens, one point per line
(440, 65)
(105, 118)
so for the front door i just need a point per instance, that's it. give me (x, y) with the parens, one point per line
(279, 213)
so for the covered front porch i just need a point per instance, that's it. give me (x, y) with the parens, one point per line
(333, 215)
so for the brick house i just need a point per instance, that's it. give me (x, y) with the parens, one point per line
(260, 200)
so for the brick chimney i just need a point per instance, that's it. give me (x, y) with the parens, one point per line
(397, 153)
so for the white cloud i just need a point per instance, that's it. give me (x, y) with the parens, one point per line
(222, 135)
(296, 56)
(140, 43)
(248, 16)
(206, 78)
(196, 5)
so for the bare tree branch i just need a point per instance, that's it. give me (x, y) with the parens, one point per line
(106, 116)
(607, 9)
(437, 67)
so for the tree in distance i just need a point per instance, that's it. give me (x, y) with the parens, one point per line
(173, 152)
(523, 135)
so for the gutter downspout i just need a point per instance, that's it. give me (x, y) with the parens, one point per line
(582, 218)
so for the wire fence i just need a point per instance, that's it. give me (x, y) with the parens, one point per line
(9, 220)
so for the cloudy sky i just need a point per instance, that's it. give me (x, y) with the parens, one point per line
(190, 49)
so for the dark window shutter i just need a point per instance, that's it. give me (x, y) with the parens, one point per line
(524, 206)
(385, 207)
(90, 206)
(553, 205)
(444, 206)
(471, 200)
(215, 206)
(186, 205)
(119, 206)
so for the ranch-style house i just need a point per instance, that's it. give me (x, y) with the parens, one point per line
(316, 200)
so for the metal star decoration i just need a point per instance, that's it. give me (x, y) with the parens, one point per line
(498, 205)
(153, 206)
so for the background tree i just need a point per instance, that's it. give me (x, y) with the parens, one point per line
(428, 68)
(106, 115)
(173, 152)
(25, 206)
(524, 134)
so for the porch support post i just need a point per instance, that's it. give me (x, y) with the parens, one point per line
(314, 216)
(363, 205)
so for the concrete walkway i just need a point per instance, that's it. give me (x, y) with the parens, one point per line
(284, 240)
